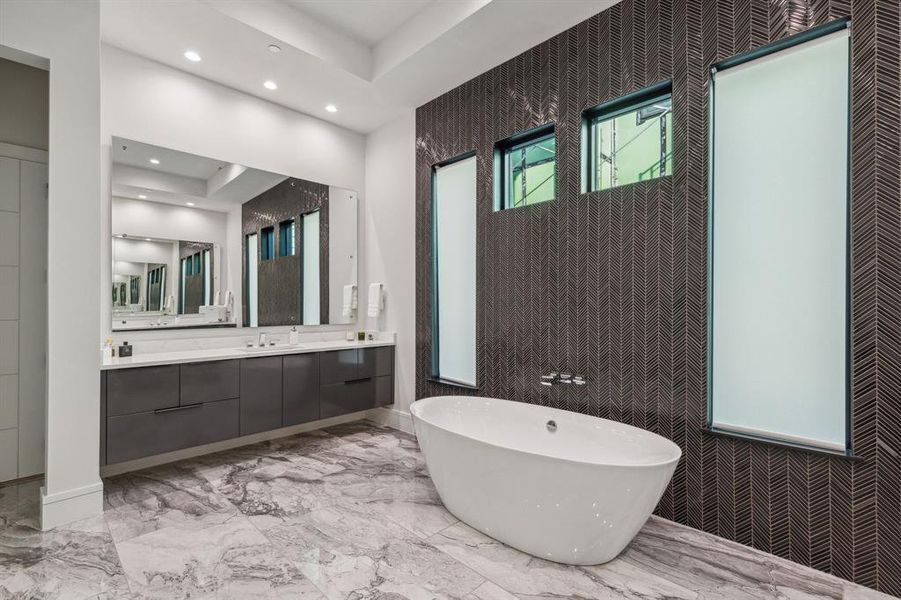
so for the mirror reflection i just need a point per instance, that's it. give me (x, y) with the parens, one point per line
(199, 242)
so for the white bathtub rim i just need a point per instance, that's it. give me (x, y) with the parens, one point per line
(612, 464)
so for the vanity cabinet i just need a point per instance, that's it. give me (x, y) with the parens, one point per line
(152, 410)
(261, 394)
(209, 381)
(130, 391)
(355, 380)
(300, 389)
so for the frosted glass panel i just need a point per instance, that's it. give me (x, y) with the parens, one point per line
(311, 268)
(779, 243)
(455, 245)
(252, 264)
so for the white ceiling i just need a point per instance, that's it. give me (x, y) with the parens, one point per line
(180, 178)
(373, 59)
(368, 21)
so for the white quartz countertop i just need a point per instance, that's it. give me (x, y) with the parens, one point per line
(150, 359)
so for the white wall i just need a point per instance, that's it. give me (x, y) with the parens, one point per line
(68, 34)
(343, 251)
(389, 219)
(149, 102)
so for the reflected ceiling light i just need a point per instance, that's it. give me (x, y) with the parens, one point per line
(142, 197)
(192, 56)
(331, 108)
(154, 161)
(270, 85)
(274, 48)
(148, 240)
(189, 203)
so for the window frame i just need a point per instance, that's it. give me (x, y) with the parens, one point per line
(434, 370)
(612, 109)
(777, 439)
(268, 250)
(502, 170)
(284, 249)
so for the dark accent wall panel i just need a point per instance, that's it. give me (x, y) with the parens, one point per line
(613, 284)
(279, 279)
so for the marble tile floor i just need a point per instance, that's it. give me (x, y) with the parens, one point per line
(345, 513)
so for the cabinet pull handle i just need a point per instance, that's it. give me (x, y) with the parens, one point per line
(174, 408)
(359, 380)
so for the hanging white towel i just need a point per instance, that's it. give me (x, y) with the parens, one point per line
(375, 299)
(349, 301)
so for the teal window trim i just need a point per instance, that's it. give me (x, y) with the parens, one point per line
(610, 110)
(435, 375)
(740, 59)
(287, 233)
(267, 243)
(502, 168)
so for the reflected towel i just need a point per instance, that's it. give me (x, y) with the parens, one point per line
(349, 301)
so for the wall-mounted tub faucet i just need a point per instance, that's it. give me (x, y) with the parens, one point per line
(555, 377)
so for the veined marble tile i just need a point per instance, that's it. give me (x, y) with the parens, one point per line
(191, 508)
(71, 562)
(526, 576)
(490, 591)
(719, 568)
(226, 560)
(20, 504)
(349, 552)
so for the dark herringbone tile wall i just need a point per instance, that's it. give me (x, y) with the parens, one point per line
(612, 284)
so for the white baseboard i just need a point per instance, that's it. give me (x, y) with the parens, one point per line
(71, 505)
(390, 417)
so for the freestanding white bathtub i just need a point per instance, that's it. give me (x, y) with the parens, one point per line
(558, 485)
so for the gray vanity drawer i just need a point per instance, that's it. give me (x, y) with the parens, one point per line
(343, 398)
(209, 381)
(300, 378)
(145, 434)
(142, 389)
(340, 366)
(261, 394)
(375, 362)
(384, 390)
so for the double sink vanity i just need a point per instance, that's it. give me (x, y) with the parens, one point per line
(161, 402)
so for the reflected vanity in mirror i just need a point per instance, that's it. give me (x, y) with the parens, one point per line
(200, 242)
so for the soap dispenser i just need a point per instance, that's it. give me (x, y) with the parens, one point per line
(294, 336)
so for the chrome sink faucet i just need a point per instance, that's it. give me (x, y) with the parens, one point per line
(556, 377)
(262, 339)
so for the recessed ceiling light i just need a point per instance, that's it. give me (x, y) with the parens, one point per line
(192, 56)
(274, 48)
(189, 203)
(331, 108)
(142, 197)
(148, 240)
(270, 85)
(154, 161)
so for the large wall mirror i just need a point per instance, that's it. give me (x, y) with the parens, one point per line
(200, 242)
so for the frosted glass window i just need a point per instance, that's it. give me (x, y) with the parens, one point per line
(251, 265)
(207, 277)
(454, 277)
(311, 268)
(779, 230)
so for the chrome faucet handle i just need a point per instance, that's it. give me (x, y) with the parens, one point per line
(550, 379)
(580, 380)
(566, 378)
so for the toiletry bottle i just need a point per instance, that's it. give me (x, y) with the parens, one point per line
(294, 336)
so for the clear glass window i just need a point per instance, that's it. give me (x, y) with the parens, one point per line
(529, 171)
(286, 238)
(267, 243)
(633, 144)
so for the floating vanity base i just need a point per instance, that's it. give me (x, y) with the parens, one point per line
(153, 410)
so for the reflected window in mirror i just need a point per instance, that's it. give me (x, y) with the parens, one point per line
(267, 243)
(251, 275)
(310, 281)
(286, 238)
